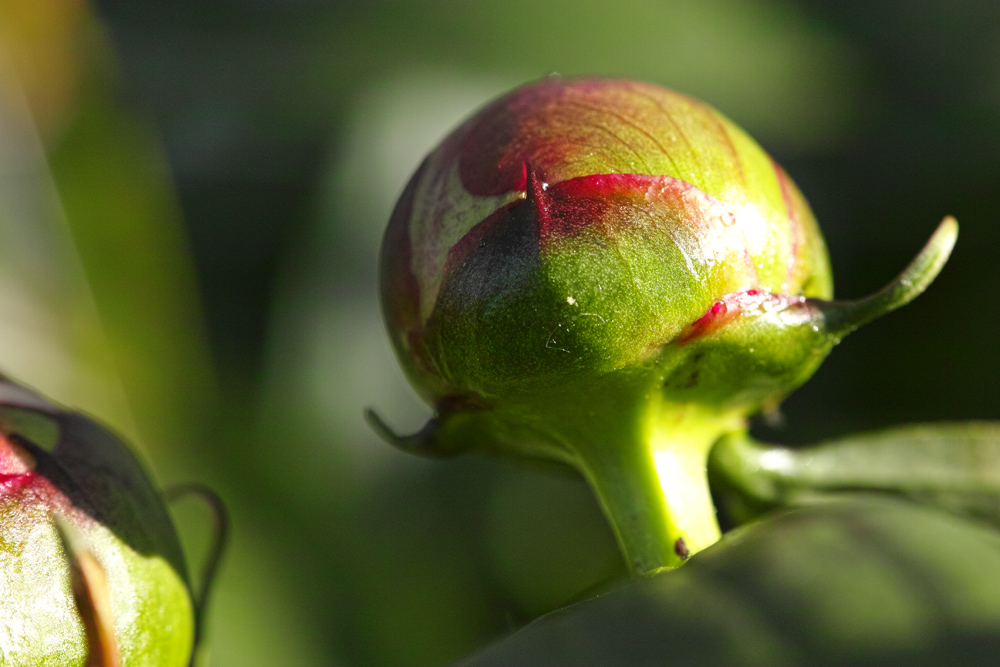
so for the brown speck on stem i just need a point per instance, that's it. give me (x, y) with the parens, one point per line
(681, 549)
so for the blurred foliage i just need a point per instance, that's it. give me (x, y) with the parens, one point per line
(853, 581)
(245, 154)
(50, 329)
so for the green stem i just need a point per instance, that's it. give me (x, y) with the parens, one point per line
(644, 456)
(653, 486)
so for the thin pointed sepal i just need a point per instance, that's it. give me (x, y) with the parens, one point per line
(843, 317)
(423, 443)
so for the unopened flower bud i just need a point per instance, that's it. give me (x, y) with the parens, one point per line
(613, 275)
(91, 569)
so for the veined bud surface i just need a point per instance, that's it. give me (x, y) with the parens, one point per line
(576, 227)
(613, 275)
(91, 569)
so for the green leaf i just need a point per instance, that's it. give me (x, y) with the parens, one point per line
(864, 580)
(955, 466)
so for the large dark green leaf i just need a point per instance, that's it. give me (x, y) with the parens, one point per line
(955, 466)
(862, 580)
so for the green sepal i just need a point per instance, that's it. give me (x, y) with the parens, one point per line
(843, 317)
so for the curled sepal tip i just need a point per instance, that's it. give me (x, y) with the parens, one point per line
(423, 442)
(843, 317)
(220, 540)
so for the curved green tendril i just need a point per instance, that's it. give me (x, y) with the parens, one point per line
(220, 540)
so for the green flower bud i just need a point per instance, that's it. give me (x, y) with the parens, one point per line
(612, 275)
(91, 569)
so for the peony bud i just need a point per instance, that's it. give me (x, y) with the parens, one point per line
(91, 569)
(613, 275)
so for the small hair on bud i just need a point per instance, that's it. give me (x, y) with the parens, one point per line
(534, 188)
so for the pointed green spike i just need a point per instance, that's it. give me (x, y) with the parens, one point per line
(422, 443)
(843, 317)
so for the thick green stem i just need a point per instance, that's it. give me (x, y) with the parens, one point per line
(653, 485)
(644, 456)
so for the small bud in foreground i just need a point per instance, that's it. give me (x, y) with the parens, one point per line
(91, 569)
(612, 275)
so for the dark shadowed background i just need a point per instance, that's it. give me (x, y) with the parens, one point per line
(208, 218)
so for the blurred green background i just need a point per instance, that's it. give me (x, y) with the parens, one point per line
(191, 201)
